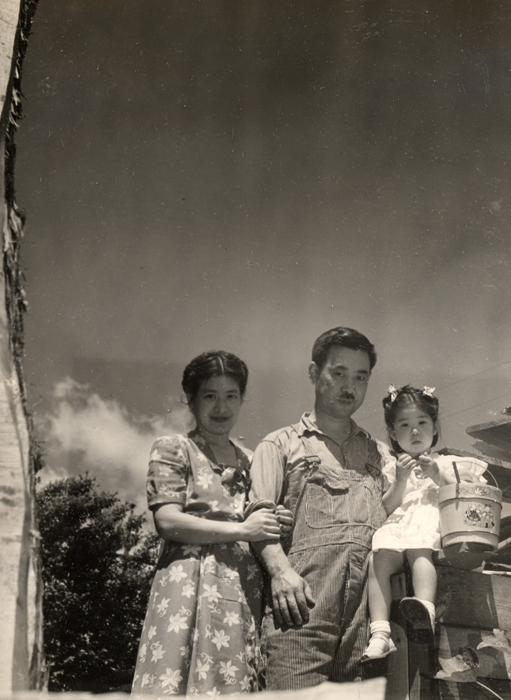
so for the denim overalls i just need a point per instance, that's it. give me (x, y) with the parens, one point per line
(336, 513)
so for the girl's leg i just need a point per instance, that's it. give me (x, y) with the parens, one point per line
(383, 564)
(420, 610)
(424, 576)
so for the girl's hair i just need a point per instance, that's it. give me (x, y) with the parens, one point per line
(213, 363)
(404, 397)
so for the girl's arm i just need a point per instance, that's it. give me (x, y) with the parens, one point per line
(172, 524)
(394, 496)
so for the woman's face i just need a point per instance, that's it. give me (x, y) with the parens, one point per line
(217, 405)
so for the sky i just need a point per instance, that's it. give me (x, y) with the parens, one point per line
(245, 176)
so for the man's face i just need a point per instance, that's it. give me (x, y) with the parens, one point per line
(341, 385)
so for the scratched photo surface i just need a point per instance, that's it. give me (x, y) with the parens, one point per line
(243, 176)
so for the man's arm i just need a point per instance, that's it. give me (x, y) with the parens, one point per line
(291, 594)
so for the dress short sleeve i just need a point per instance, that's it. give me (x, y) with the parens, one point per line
(168, 471)
(389, 465)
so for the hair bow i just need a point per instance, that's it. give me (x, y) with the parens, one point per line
(392, 392)
(428, 390)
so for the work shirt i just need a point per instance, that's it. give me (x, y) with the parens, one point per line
(289, 459)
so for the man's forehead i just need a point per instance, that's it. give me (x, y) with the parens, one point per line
(347, 358)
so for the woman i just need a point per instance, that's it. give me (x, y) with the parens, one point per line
(200, 634)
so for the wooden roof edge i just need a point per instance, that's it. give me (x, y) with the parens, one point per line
(486, 426)
(481, 457)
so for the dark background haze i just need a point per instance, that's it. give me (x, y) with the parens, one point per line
(245, 175)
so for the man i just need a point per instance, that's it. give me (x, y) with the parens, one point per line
(327, 471)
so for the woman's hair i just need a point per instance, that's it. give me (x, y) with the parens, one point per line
(345, 338)
(406, 396)
(213, 363)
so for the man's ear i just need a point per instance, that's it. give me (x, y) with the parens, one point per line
(313, 372)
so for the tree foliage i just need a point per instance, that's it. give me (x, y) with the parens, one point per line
(98, 564)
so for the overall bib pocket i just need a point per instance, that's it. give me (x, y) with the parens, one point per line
(327, 502)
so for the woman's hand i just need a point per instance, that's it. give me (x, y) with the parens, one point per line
(261, 525)
(404, 465)
(285, 519)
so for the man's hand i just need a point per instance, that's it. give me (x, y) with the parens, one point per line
(291, 598)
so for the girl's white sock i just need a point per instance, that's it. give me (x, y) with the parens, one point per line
(430, 607)
(381, 626)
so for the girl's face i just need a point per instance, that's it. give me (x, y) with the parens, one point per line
(413, 430)
(217, 405)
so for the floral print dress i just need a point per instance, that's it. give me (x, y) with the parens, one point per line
(200, 633)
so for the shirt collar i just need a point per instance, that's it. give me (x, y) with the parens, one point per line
(308, 424)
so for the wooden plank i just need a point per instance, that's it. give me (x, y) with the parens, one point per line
(410, 667)
(496, 433)
(472, 691)
(398, 682)
(473, 599)
(501, 427)
(398, 672)
(491, 452)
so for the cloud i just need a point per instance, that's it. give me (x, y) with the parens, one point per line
(86, 433)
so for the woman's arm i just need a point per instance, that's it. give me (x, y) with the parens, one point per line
(172, 524)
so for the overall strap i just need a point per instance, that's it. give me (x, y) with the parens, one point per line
(312, 460)
(311, 456)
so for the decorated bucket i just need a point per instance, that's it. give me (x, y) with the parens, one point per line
(470, 512)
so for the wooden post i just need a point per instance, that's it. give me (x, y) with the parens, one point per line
(20, 589)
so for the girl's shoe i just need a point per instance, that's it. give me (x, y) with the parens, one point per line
(378, 648)
(418, 614)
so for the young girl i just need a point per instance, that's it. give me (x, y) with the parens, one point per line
(413, 528)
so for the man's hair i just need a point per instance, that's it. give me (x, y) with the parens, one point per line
(345, 338)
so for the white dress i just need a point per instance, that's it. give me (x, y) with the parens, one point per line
(415, 524)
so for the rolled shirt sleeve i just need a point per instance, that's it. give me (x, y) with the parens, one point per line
(266, 476)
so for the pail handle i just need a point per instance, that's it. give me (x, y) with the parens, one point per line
(494, 479)
(458, 480)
